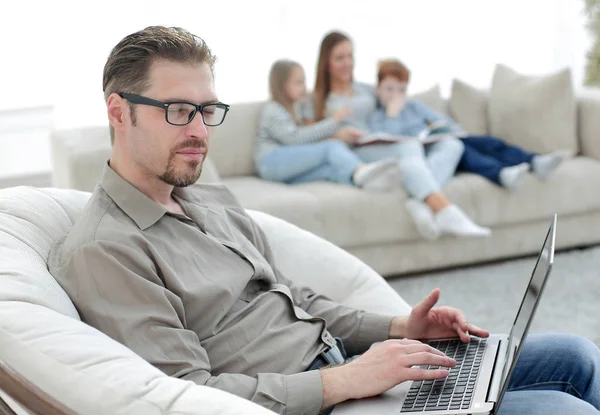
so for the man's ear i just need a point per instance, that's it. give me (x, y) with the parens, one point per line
(117, 111)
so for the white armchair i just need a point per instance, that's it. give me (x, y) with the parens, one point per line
(52, 363)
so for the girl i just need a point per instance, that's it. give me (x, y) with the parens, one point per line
(291, 153)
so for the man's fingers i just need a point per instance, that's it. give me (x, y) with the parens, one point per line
(418, 348)
(427, 304)
(426, 374)
(427, 358)
(477, 331)
(462, 334)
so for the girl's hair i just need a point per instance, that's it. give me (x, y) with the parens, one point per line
(392, 67)
(278, 76)
(323, 80)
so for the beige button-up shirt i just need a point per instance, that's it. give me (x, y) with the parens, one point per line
(198, 296)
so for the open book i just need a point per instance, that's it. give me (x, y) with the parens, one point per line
(429, 135)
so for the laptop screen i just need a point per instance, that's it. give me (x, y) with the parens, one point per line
(529, 304)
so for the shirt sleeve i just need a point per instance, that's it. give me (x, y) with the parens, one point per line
(380, 122)
(280, 126)
(117, 290)
(357, 328)
(430, 115)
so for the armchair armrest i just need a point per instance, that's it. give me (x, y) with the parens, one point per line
(589, 122)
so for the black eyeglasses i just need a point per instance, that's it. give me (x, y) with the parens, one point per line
(181, 112)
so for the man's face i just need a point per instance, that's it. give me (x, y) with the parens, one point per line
(390, 89)
(174, 154)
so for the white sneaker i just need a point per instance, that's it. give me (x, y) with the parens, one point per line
(452, 220)
(379, 176)
(511, 177)
(423, 218)
(544, 165)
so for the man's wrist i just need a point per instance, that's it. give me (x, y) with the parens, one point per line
(335, 388)
(398, 327)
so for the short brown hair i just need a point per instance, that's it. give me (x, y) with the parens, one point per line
(128, 66)
(392, 67)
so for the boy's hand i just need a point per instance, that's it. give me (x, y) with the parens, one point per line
(348, 134)
(394, 107)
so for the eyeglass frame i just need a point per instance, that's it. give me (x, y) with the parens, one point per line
(141, 100)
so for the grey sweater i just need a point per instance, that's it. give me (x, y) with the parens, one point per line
(362, 103)
(276, 127)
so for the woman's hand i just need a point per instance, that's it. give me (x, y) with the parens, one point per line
(348, 134)
(341, 114)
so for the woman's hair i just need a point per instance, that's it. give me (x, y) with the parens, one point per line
(392, 67)
(278, 76)
(323, 80)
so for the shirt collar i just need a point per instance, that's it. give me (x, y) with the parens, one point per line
(144, 211)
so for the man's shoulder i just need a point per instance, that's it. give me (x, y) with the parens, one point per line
(100, 220)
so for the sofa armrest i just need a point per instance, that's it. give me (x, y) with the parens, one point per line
(589, 122)
(78, 157)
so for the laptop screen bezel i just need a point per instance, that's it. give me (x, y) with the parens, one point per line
(512, 360)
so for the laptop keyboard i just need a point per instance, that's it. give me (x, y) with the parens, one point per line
(455, 391)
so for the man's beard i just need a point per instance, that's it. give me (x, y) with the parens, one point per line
(183, 178)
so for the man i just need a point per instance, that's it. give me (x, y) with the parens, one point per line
(180, 274)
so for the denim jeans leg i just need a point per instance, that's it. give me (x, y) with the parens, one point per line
(555, 374)
(327, 160)
(417, 178)
(443, 157)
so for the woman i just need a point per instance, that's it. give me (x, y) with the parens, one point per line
(335, 88)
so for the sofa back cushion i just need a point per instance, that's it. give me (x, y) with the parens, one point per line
(468, 106)
(232, 143)
(534, 112)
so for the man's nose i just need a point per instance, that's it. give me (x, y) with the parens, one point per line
(197, 128)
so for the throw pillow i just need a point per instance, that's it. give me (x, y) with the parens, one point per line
(468, 106)
(537, 113)
(433, 99)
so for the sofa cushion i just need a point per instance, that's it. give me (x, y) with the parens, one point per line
(534, 112)
(287, 202)
(468, 106)
(354, 217)
(232, 143)
(432, 97)
(571, 190)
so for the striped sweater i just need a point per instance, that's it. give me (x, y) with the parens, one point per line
(276, 127)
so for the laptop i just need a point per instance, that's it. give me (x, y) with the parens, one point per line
(483, 366)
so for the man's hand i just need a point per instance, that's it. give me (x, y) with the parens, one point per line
(426, 322)
(381, 368)
(348, 134)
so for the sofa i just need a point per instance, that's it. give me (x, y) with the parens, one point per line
(53, 364)
(540, 113)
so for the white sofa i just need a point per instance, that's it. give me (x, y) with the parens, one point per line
(376, 227)
(50, 360)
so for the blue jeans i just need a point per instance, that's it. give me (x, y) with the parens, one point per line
(556, 374)
(486, 156)
(425, 169)
(330, 160)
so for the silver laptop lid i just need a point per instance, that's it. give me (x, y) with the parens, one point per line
(528, 306)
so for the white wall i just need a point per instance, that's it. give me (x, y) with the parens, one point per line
(54, 51)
